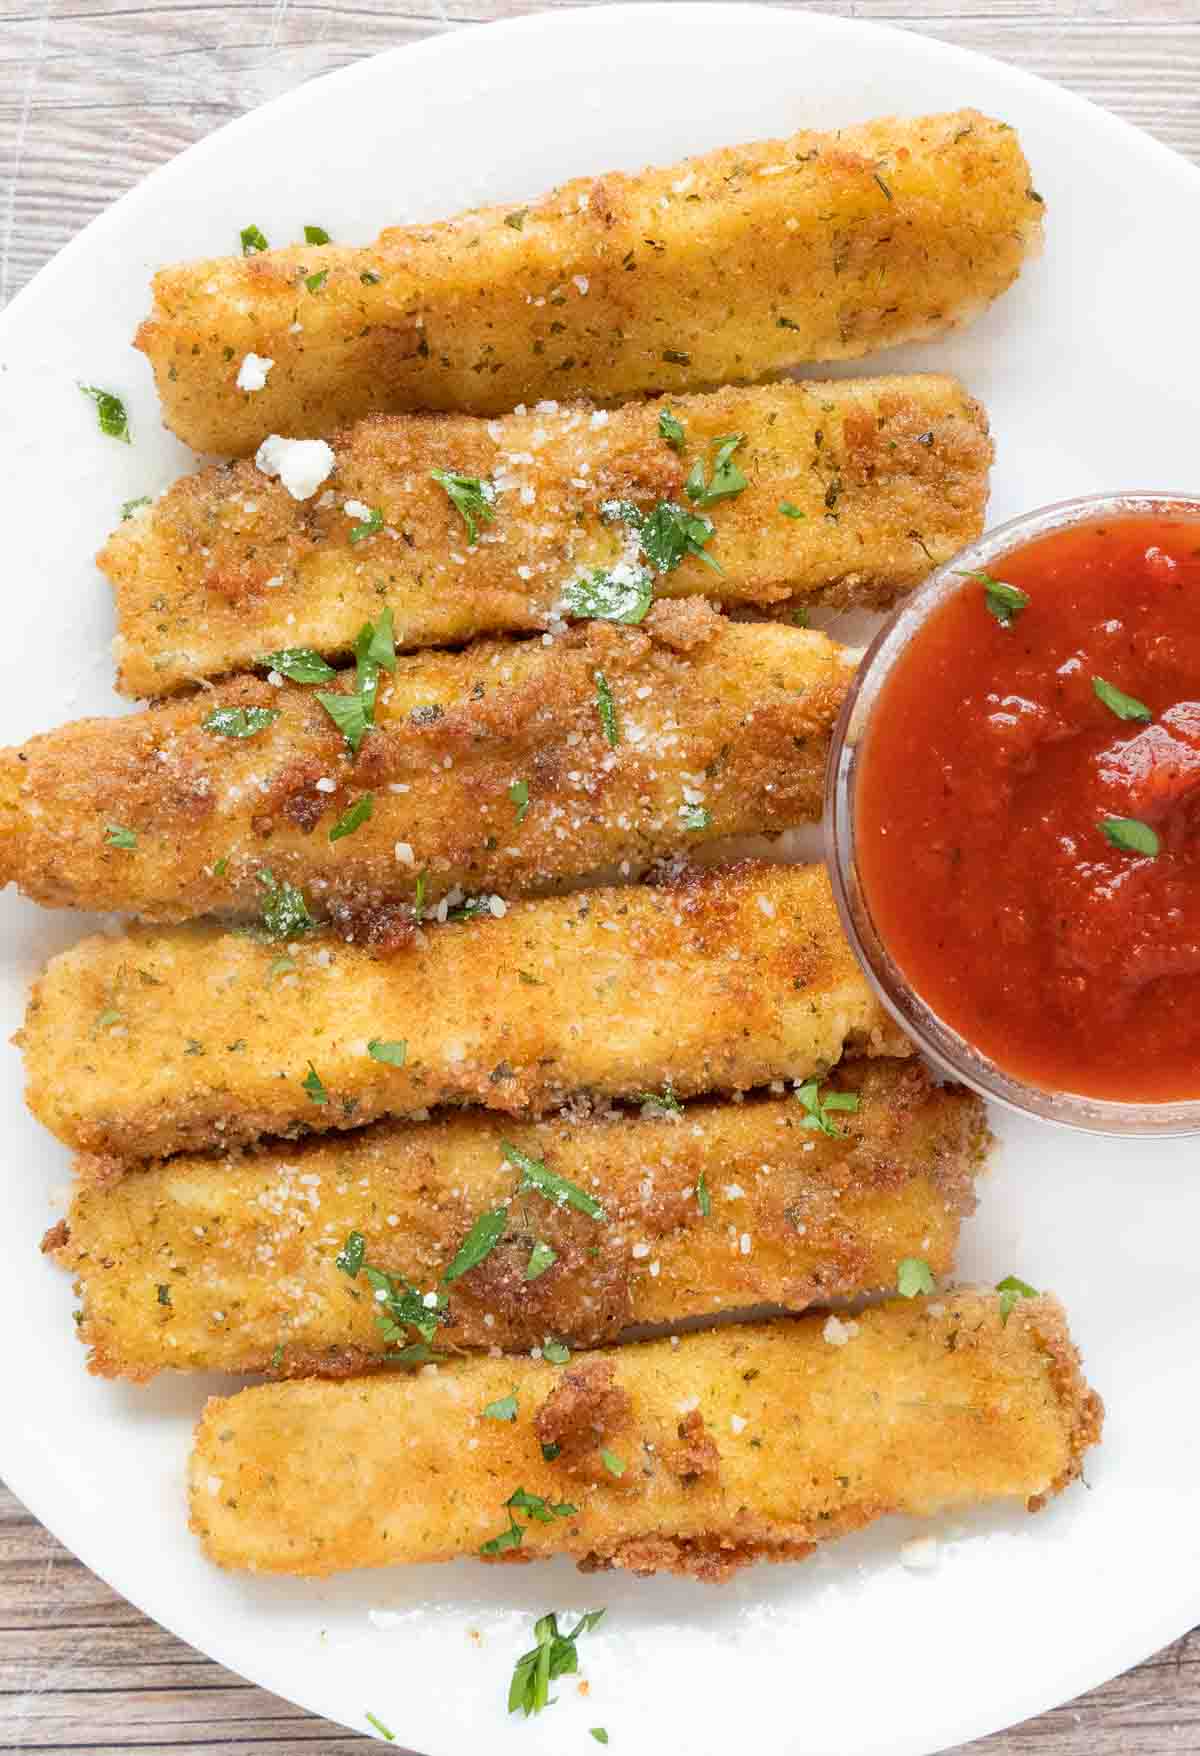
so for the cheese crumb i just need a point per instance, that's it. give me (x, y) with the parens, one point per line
(301, 464)
(252, 373)
(737, 1423)
(356, 509)
(837, 1333)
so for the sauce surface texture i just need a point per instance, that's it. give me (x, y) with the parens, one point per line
(989, 770)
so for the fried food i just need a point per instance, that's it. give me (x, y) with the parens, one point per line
(749, 1443)
(723, 267)
(720, 729)
(228, 1264)
(884, 479)
(159, 1040)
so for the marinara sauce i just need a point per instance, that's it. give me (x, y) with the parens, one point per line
(999, 765)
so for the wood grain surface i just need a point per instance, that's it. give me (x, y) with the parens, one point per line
(95, 93)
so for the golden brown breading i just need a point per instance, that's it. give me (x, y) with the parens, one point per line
(739, 722)
(724, 267)
(227, 1264)
(159, 1040)
(924, 1407)
(890, 475)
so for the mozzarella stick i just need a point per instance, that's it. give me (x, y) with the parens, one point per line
(726, 266)
(504, 767)
(852, 492)
(742, 1444)
(159, 1040)
(230, 1264)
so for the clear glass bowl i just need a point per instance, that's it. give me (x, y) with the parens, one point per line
(943, 1045)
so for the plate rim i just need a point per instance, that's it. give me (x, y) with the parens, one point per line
(960, 1726)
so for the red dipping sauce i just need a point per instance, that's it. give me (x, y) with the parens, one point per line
(987, 772)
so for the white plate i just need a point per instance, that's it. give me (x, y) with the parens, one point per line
(1089, 369)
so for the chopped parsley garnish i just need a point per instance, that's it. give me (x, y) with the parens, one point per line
(913, 1276)
(613, 1464)
(350, 1257)
(238, 722)
(619, 594)
(221, 866)
(300, 664)
(316, 235)
(1011, 1289)
(129, 507)
(284, 911)
(314, 282)
(541, 1257)
(550, 1452)
(369, 278)
(694, 817)
(110, 413)
(727, 478)
(818, 1108)
(315, 1086)
(116, 837)
(703, 1198)
(543, 1511)
(505, 1409)
(381, 1728)
(1004, 601)
(669, 533)
(1124, 706)
(791, 510)
(518, 792)
(606, 707)
(557, 1352)
(349, 714)
(599, 1733)
(536, 1175)
(479, 1242)
(1130, 835)
(164, 1295)
(354, 817)
(471, 910)
(800, 618)
(402, 1307)
(554, 1656)
(392, 1054)
(374, 651)
(516, 219)
(670, 428)
(664, 1101)
(253, 241)
(472, 498)
(882, 185)
(370, 524)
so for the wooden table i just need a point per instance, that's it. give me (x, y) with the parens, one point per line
(95, 93)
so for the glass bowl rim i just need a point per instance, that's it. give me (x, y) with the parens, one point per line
(944, 1046)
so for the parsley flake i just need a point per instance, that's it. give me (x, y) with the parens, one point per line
(694, 817)
(369, 278)
(316, 235)
(110, 413)
(129, 507)
(516, 219)
(350, 1257)
(617, 594)
(789, 509)
(664, 1102)
(727, 478)
(238, 722)
(557, 1352)
(703, 1198)
(518, 792)
(505, 1409)
(374, 651)
(670, 428)
(299, 664)
(479, 1242)
(164, 1295)
(539, 1510)
(817, 1107)
(1124, 706)
(372, 523)
(1011, 1289)
(117, 837)
(1004, 601)
(1130, 835)
(381, 1728)
(402, 1307)
(554, 1656)
(314, 1086)
(606, 707)
(536, 1175)
(471, 497)
(314, 282)
(354, 817)
(613, 1464)
(599, 1733)
(913, 1276)
(284, 911)
(350, 713)
(541, 1257)
(392, 1054)
(253, 241)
